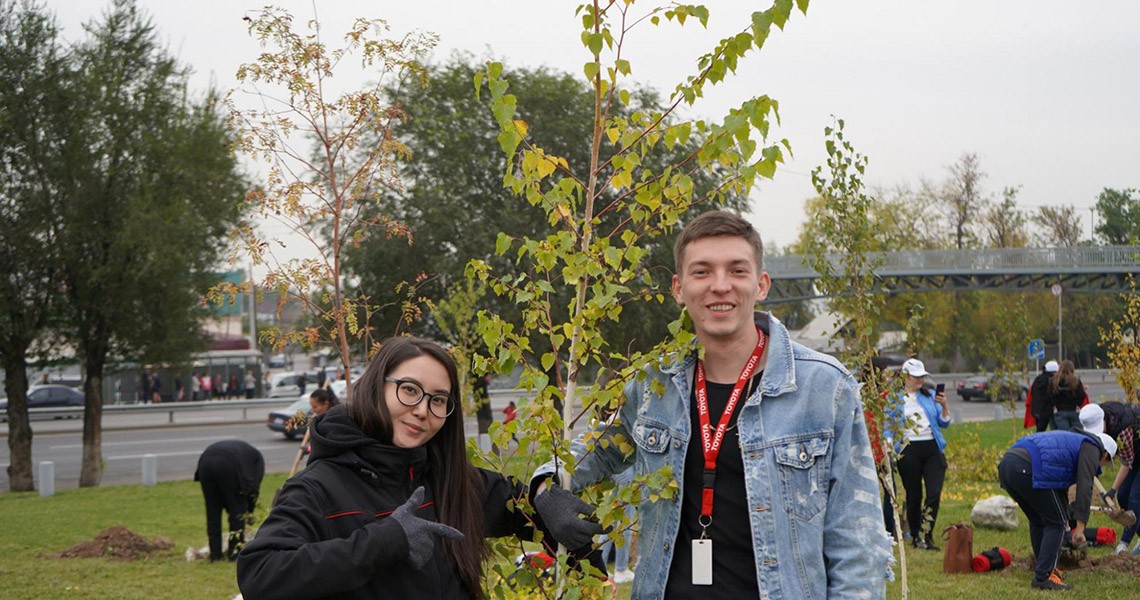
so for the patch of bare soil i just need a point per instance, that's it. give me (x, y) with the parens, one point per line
(116, 542)
(1121, 563)
(1083, 560)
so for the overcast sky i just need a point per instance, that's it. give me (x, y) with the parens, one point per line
(1046, 92)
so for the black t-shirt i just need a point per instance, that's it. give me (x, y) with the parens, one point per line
(734, 563)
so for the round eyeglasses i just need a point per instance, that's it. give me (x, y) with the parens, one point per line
(411, 393)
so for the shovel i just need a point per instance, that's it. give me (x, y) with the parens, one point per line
(1126, 518)
(305, 443)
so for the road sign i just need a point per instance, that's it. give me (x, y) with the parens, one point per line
(1037, 349)
(1056, 289)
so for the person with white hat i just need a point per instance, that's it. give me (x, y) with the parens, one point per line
(1037, 472)
(1120, 421)
(1038, 404)
(914, 422)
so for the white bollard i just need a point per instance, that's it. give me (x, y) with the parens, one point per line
(999, 412)
(149, 469)
(958, 416)
(47, 478)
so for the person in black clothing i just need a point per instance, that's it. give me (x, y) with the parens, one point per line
(1039, 399)
(1068, 395)
(1037, 472)
(230, 472)
(390, 506)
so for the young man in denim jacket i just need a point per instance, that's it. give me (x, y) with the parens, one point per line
(789, 471)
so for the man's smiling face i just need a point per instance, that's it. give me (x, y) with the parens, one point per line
(720, 283)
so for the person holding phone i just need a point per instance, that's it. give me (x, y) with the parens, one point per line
(914, 423)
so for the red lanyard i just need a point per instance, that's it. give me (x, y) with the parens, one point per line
(711, 442)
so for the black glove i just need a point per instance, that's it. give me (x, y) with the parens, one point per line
(421, 533)
(1111, 493)
(559, 510)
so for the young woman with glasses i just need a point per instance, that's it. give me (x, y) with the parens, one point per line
(389, 506)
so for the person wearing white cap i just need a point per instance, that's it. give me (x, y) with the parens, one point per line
(1037, 472)
(916, 419)
(1038, 404)
(1121, 421)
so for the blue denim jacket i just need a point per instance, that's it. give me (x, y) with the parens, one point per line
(817, 523)
(896, 416)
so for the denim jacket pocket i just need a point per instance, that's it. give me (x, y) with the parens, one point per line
(651, 436)
(804, 471)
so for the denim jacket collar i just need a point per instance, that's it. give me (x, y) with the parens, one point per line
(779, 370)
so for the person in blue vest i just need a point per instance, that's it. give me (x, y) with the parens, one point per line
(1037, 472)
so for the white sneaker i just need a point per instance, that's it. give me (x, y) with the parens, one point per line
(1121, 548)
(623, 576)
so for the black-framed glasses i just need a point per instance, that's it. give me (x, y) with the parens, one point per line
(411, 393)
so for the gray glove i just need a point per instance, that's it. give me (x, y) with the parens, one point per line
(421, 533)
(559, 510)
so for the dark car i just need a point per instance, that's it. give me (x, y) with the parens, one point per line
(981, 387)
(44, 396)
(279, 420)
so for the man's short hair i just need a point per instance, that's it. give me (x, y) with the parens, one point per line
(714, 224)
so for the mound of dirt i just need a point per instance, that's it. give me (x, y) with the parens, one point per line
(1084, 559)
(1121, 563)
(116, 542)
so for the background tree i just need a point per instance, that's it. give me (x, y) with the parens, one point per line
(1004, 222)
(844, 220)
(149, 192)
(963, 200)
(1119, 216)
(323, 177)
(455, 203)
(1059, 226)
(1005, 343)
(33, 101)
(1121, 343)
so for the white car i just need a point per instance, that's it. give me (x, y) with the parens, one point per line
(287, 385)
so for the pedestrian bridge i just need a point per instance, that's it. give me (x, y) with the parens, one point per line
(1085, 269)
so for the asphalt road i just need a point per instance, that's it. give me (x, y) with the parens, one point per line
(128, 437)
(175, 448)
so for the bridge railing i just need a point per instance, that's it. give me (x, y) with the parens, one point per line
(1100, 259)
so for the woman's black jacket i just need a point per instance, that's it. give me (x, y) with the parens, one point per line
(329, 535)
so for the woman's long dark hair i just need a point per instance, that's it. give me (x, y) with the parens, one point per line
(456, 483)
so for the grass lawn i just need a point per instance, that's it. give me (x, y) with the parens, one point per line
(35, 526)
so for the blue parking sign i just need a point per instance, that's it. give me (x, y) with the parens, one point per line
(1037, 349)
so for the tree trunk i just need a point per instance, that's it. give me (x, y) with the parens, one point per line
(20, 474)
(91, 472)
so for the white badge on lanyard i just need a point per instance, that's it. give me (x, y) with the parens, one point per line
(702, 562)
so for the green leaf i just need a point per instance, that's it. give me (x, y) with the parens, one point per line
(478, 81)
(622, 66)
(502, 244)
(591, 70)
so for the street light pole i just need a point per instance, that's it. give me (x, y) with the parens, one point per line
(1057, 291)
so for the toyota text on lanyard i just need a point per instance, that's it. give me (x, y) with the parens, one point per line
(711, 442)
